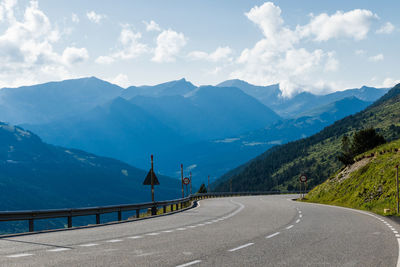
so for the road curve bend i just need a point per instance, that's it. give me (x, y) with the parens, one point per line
(238, 231)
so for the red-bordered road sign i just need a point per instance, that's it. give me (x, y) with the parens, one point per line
(303, 178)
(186, 180)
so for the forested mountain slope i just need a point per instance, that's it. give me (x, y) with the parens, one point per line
(280, 167)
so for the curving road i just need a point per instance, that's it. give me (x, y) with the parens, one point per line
(241, 231)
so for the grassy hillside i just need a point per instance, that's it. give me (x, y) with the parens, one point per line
(368, 184)
(280, 167)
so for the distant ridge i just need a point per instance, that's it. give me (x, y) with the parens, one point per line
(178, 87)
(280, 167)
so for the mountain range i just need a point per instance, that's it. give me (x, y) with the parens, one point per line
(210, 129)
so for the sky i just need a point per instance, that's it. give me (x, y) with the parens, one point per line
(304, 45)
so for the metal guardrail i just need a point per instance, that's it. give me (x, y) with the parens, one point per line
(30, 216)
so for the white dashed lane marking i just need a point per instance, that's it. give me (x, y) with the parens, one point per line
(290, 226)
(19, 255)
(240, 247)
(275, 234)
(241, 206)
(189, 263)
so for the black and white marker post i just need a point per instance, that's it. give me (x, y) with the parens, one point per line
(183, 192)
(151, 179)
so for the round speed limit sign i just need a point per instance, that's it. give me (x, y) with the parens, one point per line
(186, 180)
(303, 178)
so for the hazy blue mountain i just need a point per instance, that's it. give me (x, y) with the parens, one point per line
(54, 100)
(36, 175)
(211, 129)
(179, 87)
(338, 109)
(166, 126)
(305, 101)
(271, 96)
(209, 112)
(118, 129)
(268, 95)
(231, 152)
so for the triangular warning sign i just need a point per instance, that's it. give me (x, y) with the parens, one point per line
(147, 180)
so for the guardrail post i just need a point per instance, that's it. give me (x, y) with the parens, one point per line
(98, 218)
(31, 228)
(176, 206)
(172, 207)
(164, 209)
(154, 210)
(69, 221)
(119, 215)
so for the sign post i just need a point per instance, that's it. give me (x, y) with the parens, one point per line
(190, 183)
(183, 193)
(186, 181)
(151, 179)
(303, 179)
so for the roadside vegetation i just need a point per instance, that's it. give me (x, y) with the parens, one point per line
(369, 183)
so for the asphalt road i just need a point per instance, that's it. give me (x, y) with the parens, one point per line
(241, 231)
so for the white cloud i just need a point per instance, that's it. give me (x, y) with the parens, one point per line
(276, 58)
(94, 17)
(169, 44)
(104, 60)
(26, 47)
(376, 58)
(73, 55)
(332, 64)
(75, 18)
(389, 82)
(121, 80)
(353, 24)
(220, 54)
(388, 28)
(129, 47)
(152, 26)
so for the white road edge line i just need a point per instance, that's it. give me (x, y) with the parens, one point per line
(89, 245)
(240, 247)
(189, 263)
(398, 258)
(275, 234)
(114, 240)
(19, 255)
(151, 234)
(58, 249)
(369, 214)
